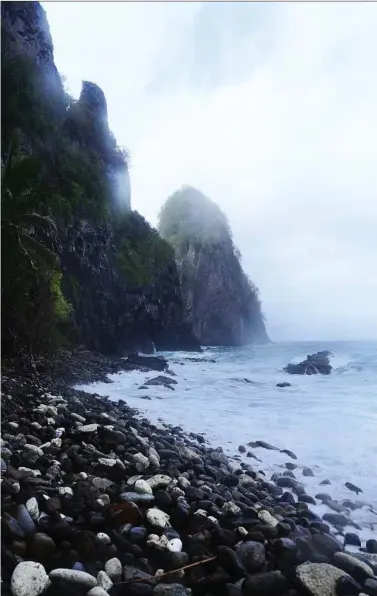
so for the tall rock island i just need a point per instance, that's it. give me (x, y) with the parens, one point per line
(220, 301)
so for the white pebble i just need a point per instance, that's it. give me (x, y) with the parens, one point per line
(107, 461)
(97, 591)
(183, 482)
(104, 581)
(113, 568)
(103, 538)
(201, 512)
(57, 442)
(158, 518)
(141, 486)
(153, 537)
(73, 576)
(32, 507)
(83, 475)
(174, 545)
(50, 421)
(230, 507)
(14, 424)
(159, 572)
(89, 428)
(104, 500)
(241, 530)
(46, 445)
(65, 490)
(29, 579)
(266, 517)
(213, 520)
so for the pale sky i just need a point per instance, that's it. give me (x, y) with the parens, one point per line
(268, 109)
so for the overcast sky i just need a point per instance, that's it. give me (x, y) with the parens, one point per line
(270, 110)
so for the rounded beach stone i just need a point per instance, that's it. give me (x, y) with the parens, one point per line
(103, 538)
(252, 555)
(104, 580)
(29, 579)
(32, 507)
(319, 579)
(358, 569)
(158, 518)
(141, 486)
(73, 576)
(174, 546)
(97, 591)
(113, 568)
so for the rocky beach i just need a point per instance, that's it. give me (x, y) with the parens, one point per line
(97, 500)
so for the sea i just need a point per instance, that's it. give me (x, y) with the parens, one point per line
(231, 396)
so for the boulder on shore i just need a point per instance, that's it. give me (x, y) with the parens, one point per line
(314, 364)
(152, 362)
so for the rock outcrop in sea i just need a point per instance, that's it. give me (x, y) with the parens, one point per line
(221, 302)
(314, 364)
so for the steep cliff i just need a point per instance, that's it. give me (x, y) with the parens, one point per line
(220, 301)
(66, 190)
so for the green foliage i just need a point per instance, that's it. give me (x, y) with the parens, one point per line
(190, 219)
(62, 309)
(141, 253)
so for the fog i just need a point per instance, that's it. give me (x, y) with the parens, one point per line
(268, 109)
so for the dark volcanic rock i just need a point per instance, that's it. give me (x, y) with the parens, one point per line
(264, 584)
(314, 364)
(152, 362)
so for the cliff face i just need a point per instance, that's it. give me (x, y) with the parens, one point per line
(119, 280)
(220, 301)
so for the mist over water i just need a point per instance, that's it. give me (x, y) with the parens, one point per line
(330, 422)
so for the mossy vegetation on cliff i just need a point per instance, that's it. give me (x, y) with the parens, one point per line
(74, 248)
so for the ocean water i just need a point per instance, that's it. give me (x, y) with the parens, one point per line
(329, 422)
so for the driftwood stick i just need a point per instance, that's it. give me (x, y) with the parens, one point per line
(158, 577)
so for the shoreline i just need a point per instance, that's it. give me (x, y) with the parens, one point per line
(186, 501)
